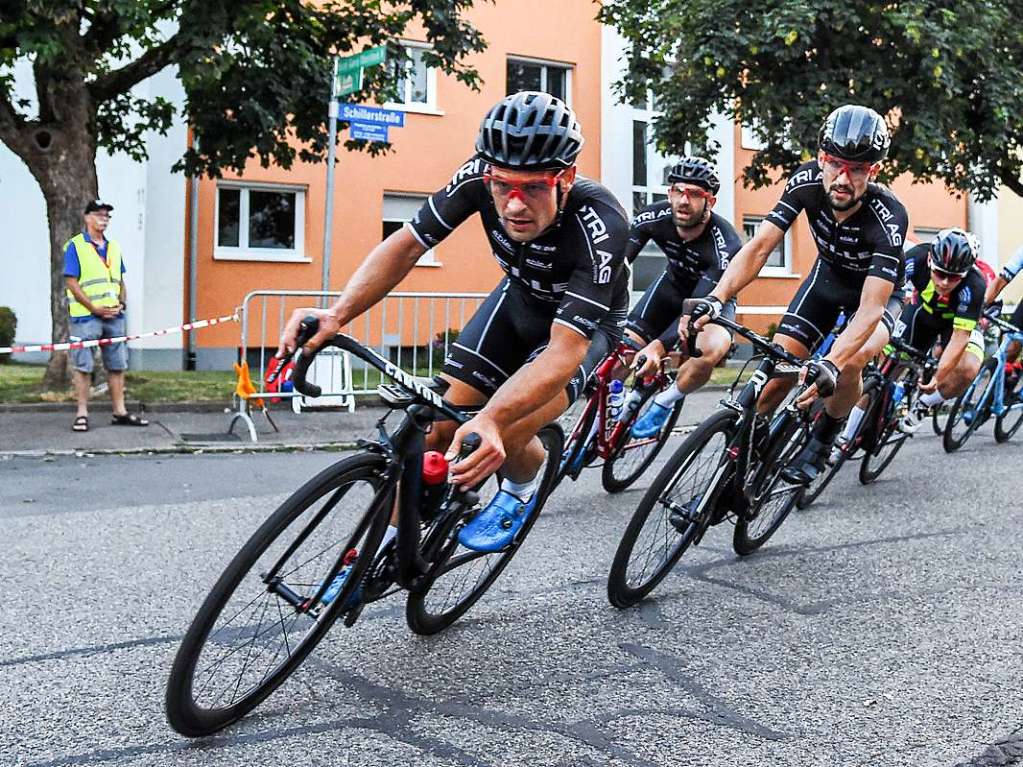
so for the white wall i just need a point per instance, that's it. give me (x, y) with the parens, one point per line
(148, 221)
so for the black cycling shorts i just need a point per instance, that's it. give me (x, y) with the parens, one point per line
(510, 329)
(661, 306)
(1017, 315)
(820, 299)
(920, 329)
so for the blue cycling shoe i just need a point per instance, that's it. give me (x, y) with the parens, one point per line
(651, 422)
(497, 524)
(339, 581)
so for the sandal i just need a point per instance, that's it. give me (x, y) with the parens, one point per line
(81, 423)
(128, 419)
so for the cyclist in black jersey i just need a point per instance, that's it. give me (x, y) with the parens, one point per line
(1012, 353)
(859, 228)
(949, 299)
(558, 312)
(698, 244)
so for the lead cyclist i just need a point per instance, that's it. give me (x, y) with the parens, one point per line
(527, 352)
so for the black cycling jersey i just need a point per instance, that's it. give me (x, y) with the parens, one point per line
(575, 270)
(868, 243)
(706, 256)
(960, 309)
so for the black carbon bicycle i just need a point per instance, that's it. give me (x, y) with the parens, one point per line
(318, 557)
(730, 466)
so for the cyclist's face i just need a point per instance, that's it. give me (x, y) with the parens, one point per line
(527, 202)
(845, 182)
(689, 204)
(945, 282)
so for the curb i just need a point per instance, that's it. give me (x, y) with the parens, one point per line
(325, 447)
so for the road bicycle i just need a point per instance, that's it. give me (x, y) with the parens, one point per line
(889, 390)
(986, 395)
(319, 558)
(595, 433)
(730, 466)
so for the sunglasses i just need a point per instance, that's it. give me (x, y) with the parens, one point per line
(693, 193)
(854, 170)
(531, 191)
(943, 274)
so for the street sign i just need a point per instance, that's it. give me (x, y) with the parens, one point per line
(358, 113)
(368, 58)
(368, 131)
(349, 82)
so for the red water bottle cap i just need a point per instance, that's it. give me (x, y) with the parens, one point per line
(435, 467)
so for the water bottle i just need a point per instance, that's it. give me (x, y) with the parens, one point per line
(435, 482)
(615, 400)
(632, 403)
(898, 394)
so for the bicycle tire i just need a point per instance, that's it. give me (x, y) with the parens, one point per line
(871, 466)
(188, 716)
(1004, 433)
(575, 441)
(783, 448)
(421, 618)
(614, 484)
(976, 394)
(619, 591)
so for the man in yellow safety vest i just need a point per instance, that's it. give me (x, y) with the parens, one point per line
(96, 296)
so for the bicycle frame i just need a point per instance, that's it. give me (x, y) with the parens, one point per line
(1010, 333)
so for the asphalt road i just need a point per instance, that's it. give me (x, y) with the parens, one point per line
(884, 627)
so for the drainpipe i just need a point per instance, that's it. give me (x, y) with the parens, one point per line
(193, 262)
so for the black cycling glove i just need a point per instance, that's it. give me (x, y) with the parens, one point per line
(824, 374)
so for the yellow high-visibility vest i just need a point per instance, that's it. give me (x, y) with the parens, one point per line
(100, 281)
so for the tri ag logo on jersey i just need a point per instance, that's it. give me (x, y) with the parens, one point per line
(464, 173)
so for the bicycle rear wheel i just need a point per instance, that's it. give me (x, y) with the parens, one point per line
(969, 410)
(631, 457)
(821, 481)
(888, 441)
(775, 498)
(460, 576)
(651, 545)
(1008, 423)
(256, 626)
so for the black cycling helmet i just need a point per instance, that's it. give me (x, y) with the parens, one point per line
(954, 251)
(695, 170)
(855, 133)
(530, 131)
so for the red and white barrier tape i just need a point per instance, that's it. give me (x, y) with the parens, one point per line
(107, 341)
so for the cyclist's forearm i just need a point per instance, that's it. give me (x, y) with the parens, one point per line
(384, 267)
(994, 289)
(951, 355)
(747, 263)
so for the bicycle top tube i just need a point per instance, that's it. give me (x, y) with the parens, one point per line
(912, 351)
(422, 393)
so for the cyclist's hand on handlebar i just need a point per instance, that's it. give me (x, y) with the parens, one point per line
(822, 377)
(329, 327)
(648, 359)
(485, 460)
(928, 388)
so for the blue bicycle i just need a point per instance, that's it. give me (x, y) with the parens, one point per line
(987, 396)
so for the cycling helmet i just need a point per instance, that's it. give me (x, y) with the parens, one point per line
(530, 131)
(954, 251)
(855, 133)
(695, 170)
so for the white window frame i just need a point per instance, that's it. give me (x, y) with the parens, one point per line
(429, 258)
(773, 271)
(430, 107)
(924, 234)
(242, 252)
(544, 65)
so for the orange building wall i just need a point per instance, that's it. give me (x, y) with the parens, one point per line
(426, 152)
(930, 206)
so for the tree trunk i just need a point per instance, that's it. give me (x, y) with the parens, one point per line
(64, 164)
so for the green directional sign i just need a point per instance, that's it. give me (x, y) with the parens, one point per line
(368, 58)
(349, 82)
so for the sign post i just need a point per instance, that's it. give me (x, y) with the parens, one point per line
(345, 78)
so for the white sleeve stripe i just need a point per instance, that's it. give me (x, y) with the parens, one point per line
(419, 239)
(782, 202)
(586, 238)
(587, 300)
(440, 218)
(885, 255)
(559, 321)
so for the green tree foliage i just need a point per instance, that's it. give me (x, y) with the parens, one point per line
(256, 75)
(948, 76)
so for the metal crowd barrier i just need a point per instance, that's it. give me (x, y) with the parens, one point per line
(414, 329)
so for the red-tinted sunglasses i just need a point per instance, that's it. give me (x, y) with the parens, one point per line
(693, 193)
(852, 169)
(525, 190)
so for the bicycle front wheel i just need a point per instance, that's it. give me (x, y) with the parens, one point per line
(1008, 422)
(631, 457)
(691, 481)
(257, 624)
(460, 576)
(968, 412)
